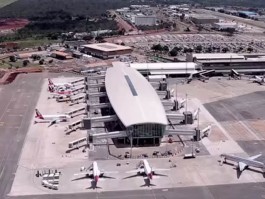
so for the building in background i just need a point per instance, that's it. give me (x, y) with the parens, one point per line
(204, 19)
(106, 50)
(225, 26)
(145, 20)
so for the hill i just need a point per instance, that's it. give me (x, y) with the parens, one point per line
(4, 3)
(33, 8)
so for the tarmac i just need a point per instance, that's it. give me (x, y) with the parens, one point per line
(201, 177)
(16, 106)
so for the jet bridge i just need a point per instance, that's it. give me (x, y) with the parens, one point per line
(77, 143)
(87, 122)
(98, 106)
(75, 99)
(75, 111)
(115, 134)
(98, 94)
(95, 85)
(78, 90)
(95, 77)
(77, 81)
(75, 125)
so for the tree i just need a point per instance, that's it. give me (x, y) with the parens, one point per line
(250, 49)
(230, 31)
(198, 48)
(165, 48)
(99, 38)
(187, 29)
(12, 58)
(39, 48)
(157, 47)
(225, 50)
(41, 62)
(25, 63)
(173, 52)
(88, 37)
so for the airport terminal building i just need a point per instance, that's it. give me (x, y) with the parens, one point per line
(135, 114)
(136, 103)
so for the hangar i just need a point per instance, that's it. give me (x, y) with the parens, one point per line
(106, 50)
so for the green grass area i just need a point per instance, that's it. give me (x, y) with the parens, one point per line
(5, 63)
(4, 3)
(35, 43)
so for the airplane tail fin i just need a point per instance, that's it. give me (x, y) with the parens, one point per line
(50, 82)
(38, 114)
(51, 88)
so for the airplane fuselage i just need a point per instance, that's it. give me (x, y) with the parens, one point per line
(55, 117)
(147, 169)
(96, 171)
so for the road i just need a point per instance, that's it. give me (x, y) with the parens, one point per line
(242, 191)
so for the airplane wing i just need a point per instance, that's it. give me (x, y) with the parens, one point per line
(157, 169)
(132, 171)
(254, 157)
(241, 166)
(52, 123)
(109, 172)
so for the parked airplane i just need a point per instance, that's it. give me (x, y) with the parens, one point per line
(200, 75)
(63, 85)
(144, 169)
(53, 119)
(243, 163)
(94, 173)
(258, 79)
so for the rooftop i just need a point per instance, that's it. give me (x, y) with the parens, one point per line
(209, 56)
(108, 47)
(198, 16)
(132, 97)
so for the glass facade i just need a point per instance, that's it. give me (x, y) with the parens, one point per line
(148, 130)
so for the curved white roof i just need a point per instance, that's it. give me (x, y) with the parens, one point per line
(132, 97)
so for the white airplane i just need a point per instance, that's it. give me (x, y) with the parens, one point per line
(258, 79)
(144, 169)
(243, 163)
(53, 119)
(62, 85)
(60, 92)
(94, 173)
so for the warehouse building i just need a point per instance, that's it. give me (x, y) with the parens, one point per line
(225, 26)
(145, 20)
(106, 50)
(204, 19)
